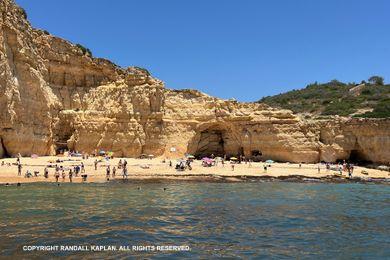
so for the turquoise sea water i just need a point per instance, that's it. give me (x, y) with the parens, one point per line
(249, 220)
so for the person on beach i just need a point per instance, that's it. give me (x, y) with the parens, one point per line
(82, 168)
(113, 172)
(77, 170)
(170, 163)
(265, 168)
(2, 163)
(125, 163)
(19, 169)
(233, 167)
(319, 168)
(95, 164)
(63, 174)
(120, 164)
(46, 172)
(124, 172)
(250, 163)
(57, 175)
(28, 174)
(350, 169)
(70, 175)
(300, 165)
(188, 164)
(345, 166)
(108, 171)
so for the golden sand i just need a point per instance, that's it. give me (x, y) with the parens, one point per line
(160, 170)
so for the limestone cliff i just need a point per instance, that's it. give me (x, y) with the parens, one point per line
(53, 97)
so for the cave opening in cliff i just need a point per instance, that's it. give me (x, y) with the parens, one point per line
(4, 152)
(61, 147)
(211, 142)
(61, 143)
(357, 157)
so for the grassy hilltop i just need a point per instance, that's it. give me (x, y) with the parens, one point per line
(367, 99)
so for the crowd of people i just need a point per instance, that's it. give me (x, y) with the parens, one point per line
(62, 172)
(341, 167)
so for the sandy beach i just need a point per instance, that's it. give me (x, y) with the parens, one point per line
(158, 170)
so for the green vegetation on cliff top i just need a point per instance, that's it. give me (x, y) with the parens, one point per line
(370, 99)
(85, 50)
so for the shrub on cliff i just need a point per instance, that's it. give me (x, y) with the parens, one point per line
(381, 110)
(85, 50)
(376, 80)
(142, 69)
(24, 13)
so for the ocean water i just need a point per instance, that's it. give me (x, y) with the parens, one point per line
(247, 220)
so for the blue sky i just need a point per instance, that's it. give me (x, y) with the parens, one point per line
(243, 49)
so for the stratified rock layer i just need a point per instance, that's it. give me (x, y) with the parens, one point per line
(55, 97)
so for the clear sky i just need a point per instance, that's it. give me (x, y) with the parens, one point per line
(243, 49)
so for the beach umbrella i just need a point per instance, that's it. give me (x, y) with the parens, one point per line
(150, 155)
(102, 152)
(233, 158)
(190, 156)
(269, 161)
(207, 160)
(34, 156)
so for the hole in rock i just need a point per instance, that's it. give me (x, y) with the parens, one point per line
(211, 143)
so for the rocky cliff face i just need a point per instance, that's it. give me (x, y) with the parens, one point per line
(27, 103)
(55, 97)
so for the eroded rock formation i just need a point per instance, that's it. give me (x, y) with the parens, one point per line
(55, 97)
